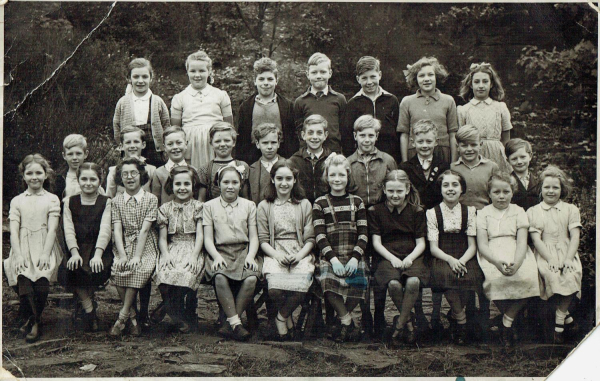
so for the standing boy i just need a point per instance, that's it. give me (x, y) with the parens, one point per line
(268, 139)
(369, 166)
(175, 145)
(519, 153)
(75, 152)
(320, 99)
(310, 160)
(265, 106)
(375, 101)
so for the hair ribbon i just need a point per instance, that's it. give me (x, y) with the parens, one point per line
(482, 65)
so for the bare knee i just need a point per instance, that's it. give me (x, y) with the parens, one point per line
(221, 281)
(394, 286)
(250, 282)
(412, 285)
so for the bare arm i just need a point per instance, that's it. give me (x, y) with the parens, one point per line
(404, 146)
(209, 242)
(471, 250)
(505, 137)
(142, 237)
(521, 247)
(575, 234)
(380, 249)
(253, 245)
(453, 152)
(15, 243)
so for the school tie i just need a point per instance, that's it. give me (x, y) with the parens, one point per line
(320, 94)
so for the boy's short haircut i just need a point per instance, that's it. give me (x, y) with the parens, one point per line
(513, 145)
(367, 121)
(220, 127)
(424, 126)
(75, 140)
(265, 64)
(314, 119)
(130, 129)
(173, 130)
(317, 59)
(138, 63)
(467, 133)
(265, 129)
(367, 63)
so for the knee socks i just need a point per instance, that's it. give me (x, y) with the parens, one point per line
(569, 318)
(346, 320)
(507, 321)
(87, 304)
(281, 324)
(560, 320)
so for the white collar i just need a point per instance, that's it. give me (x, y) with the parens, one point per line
(475, 102)
(317, 155)
(325, 90)
(424, 160)
(138, 196)
(193, 92)
(40, 193)
(275, 159)
(266, 102)
(545, 206)
(170, 164)
(143, 98)
(225, 204)
(380, 92)
(444, 206)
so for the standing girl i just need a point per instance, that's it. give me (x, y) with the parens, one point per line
(287, 237)
(231, 240)
(506, 261)
(180, 242)
(198, 107)
(87, 226)
(139, 107)
(451, 231)
(397, 227)
(555, 227)
(35, 254)
(340, 221)
(483, 89)
(135, 241)
(428, 103)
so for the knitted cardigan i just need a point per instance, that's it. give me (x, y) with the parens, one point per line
(159, 118)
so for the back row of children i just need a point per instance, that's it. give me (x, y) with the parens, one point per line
(136, 246)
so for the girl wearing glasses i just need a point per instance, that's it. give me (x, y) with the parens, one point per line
(135, 241)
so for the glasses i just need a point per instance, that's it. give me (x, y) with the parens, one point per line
(132, 174)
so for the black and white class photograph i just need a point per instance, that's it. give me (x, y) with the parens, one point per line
(298, 189)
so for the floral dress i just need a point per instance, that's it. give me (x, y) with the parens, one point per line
(296, 277)
(491, 119)
(554, 223)
(181, 221)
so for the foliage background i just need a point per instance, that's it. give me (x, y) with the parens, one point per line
(545, 53)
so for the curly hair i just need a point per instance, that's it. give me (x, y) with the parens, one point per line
(265, 129)
(140, 165)
(193, 176)
(411, 74)
(504, 177)
(39, 159)
(424, 126)
(201, 55)
(399, 175)
(466, 86)
(565, 182)
(265, 64)
(449, 172)
(296, 195)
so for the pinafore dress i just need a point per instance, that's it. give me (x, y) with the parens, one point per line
(86, 220)
(454, 244)
(356, 285)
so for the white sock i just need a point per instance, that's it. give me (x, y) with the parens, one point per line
(461, 318)
(346, 320)
(507, 321)
(87, 305)
(569, 318)
(560, 320)
(289, 322)
(234, 320)
(281, 324)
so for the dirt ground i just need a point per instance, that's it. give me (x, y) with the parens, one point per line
(66, 351)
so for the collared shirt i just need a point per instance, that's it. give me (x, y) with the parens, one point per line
(201, 107)
(269, 164)
(325, 91)
(138, 196)
(366, 157)
(558, 205)
(141, 106)
(170, 164)
(476, 178)
(436, 95)
(425, 163)
(398, 209)
(452, 219)
(380, 92)
(40, 193)
(258, 99)
(481, 161)
(524, 179)
(315, 156)
(488, 101)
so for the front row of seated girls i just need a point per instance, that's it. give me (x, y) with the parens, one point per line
(470, 252)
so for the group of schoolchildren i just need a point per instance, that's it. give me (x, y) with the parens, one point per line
(461, 214)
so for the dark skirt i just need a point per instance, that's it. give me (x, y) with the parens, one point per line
(83, 276)
(442, 276)
(401, 249)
